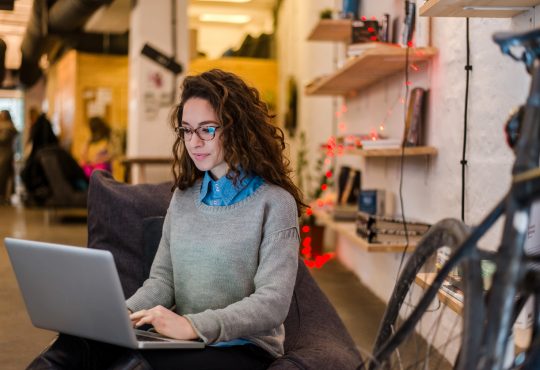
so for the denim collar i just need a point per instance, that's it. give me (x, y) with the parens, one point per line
(223, 187)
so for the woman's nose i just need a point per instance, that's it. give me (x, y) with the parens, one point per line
(195, 140)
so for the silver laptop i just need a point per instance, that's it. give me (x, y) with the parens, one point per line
(77, 291)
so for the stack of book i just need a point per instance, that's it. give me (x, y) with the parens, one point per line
(389, 230)
(452, 290)
(360, 48)
(381, 144)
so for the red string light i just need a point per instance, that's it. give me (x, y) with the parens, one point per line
(324, 187)
(305, 229)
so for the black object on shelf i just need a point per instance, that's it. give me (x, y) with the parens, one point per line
(365, 31)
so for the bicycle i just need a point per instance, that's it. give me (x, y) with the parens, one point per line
(488, 314)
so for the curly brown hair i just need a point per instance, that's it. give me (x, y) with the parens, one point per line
(251, 143)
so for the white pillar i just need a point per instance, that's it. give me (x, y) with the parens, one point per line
(152, 88)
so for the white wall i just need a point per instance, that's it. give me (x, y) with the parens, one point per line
(152, 88)
(432, 187)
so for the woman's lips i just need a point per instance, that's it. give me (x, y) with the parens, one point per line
(199, 157)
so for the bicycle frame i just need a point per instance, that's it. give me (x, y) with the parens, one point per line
(511, 252)
(499, 314)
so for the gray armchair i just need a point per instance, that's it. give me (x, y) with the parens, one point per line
(127, 220)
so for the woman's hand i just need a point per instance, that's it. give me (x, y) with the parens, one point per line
(165, 321)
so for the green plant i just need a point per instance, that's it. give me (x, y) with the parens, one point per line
(326, 13)
(313, 186)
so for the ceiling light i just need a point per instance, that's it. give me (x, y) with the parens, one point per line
(225, 18)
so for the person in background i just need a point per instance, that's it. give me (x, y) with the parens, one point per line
(33, 175)
(33, 116)
(97, 153)
(8, 133)
(226, 265)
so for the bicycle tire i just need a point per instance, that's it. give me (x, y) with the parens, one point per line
(466, 249)
(447, 232)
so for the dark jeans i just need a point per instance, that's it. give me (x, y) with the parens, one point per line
(248, 356)
(70, 352)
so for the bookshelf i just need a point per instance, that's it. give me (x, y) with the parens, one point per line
(366, 69)
(393, 152)
(338, 30)
(424, 280)
(348, 230)
(478, 8)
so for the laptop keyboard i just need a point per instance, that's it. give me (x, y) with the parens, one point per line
(148, 338)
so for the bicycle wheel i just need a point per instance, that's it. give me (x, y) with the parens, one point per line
(439, 344)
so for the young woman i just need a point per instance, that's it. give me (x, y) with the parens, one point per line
(8, 133)
(226, 265)
(97, 153)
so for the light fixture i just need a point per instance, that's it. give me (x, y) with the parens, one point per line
(225, 18)
(226, 1)
(497, 8)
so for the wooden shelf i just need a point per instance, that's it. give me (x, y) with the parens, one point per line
(348, 230)
(458, 8)
(393, 152)
(373, 65)
(425, 279)
(331, 30)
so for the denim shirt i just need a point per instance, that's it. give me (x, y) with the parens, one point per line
(222, 192)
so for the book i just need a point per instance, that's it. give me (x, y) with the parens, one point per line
(414, 121)
(372, 201)
(344, 213)
(452, 290)
(381, 144)
(349, 184)
(357, 49)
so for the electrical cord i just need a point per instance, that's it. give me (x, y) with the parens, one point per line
(402, 163)
(410, 15)
(468, 69)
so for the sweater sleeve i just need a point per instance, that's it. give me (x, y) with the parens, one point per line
(267, 307)
(158, 289)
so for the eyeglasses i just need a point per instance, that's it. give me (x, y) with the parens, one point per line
(205, 133)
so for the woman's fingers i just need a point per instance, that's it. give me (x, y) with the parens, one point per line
(138, 318)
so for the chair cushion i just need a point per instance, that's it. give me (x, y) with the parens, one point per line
(116, 222)
(315, 336)
(128, 220)
(153, 227)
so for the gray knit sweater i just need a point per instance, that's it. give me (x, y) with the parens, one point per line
(229, 270)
